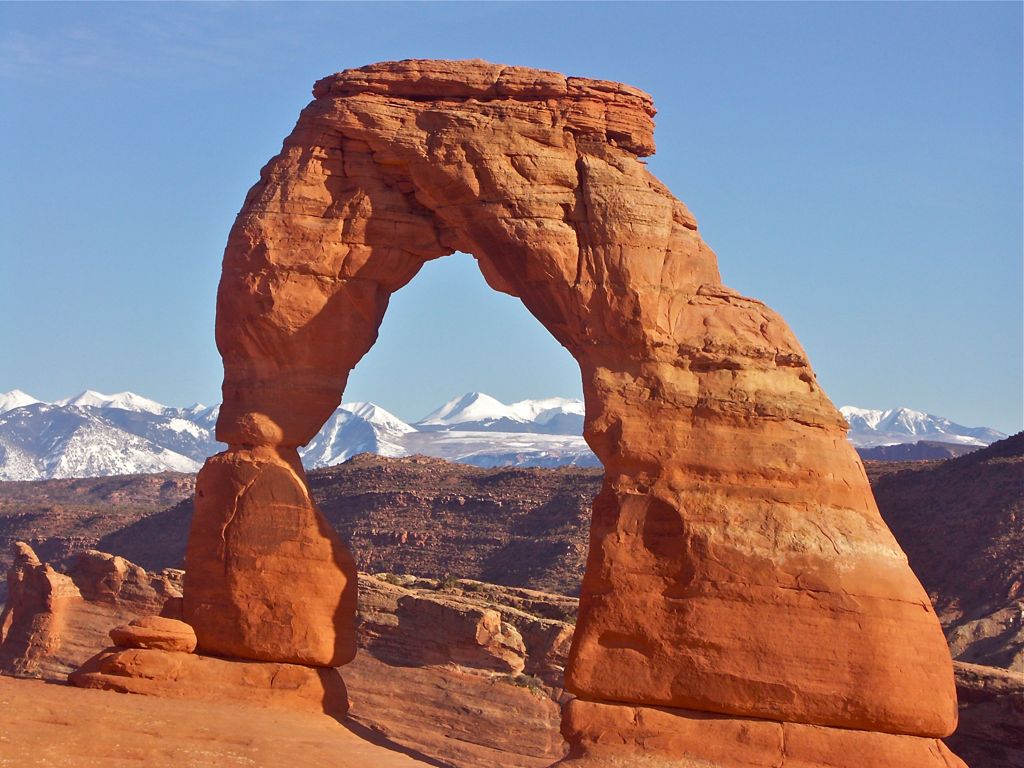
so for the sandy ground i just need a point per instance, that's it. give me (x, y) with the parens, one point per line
(46, 724)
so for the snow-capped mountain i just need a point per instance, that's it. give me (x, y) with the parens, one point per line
(477, 412)
(15, 399)
(95, 434)
(870, 428)
(125, 433)
(356, 428)
(44, 440)
(126, 401)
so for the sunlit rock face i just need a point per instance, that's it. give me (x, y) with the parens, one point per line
(738, 563)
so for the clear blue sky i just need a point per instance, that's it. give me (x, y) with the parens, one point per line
(858, 166)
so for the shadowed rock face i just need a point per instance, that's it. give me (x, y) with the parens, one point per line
(738, 563)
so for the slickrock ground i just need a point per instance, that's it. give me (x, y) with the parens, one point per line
(50, 725)
(442, 675)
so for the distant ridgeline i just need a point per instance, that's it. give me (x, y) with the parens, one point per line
(93, 434)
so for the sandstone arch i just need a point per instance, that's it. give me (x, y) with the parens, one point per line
(738, 564)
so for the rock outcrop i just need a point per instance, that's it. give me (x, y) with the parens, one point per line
(456, 716)
(155, 633)
(51, 620)
(448, 686)
(411, 621)
(422, 628)
(738, 563)
(181, 675)
(991, 729)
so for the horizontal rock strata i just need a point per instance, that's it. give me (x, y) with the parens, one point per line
(155, 633)
(610, 736)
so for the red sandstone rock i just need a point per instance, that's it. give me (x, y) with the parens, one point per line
(611, 736)
(738, 563)
(267, 578)
(453, 716)
(33, 616)
(59, 725)
(52, 622)
(105, 578)
(155, 633)
(176, 675)
(420, 628)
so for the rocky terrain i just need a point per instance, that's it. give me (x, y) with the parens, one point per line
(527, 528)
(418, 515)
(453, 673)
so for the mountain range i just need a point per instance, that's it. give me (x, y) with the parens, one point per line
(92, 434)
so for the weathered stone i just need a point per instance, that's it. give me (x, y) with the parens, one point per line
(601, 735)
(52, 622)
(738, 563)
(155, 633)
(175, 675)
(267, 578)
(400, 626)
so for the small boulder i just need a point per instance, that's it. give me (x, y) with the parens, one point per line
(155, 633)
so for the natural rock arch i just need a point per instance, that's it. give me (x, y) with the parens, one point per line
(738, 563)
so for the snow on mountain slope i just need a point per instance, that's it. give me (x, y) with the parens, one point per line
(503, 449)
(552, 415)
(873, 427)
(127, 401)
(167, 430)
(474, 408)
(53, 441)
(95, 434)
(15, 399)
(540, 411)
(477, 412)
(203, 415)
(356, 428)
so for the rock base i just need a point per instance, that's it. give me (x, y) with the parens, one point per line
(177, 675)
(603, 735)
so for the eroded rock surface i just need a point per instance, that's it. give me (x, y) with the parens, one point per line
(181, 675)
(52, 622)
(991, 729)
(738, 563)
(456, 716)
(155, 633)
(427, 627)
(52, 725)
(607, 736)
